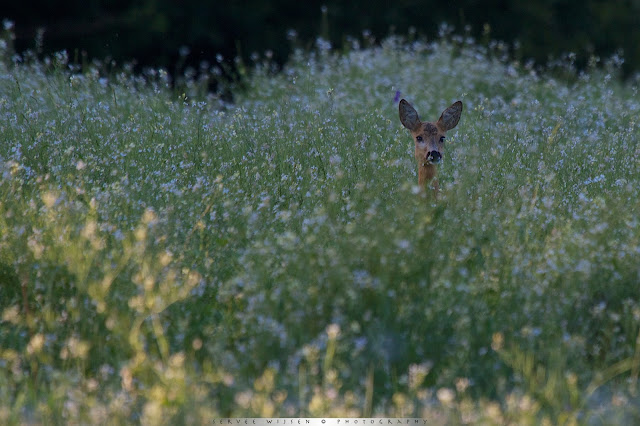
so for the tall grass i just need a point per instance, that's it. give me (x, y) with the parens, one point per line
(166, 257)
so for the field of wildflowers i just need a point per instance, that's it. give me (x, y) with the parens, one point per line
(167, 257)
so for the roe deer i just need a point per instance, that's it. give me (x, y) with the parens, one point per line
(429, 138)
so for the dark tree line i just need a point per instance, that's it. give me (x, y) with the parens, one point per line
(153, 31)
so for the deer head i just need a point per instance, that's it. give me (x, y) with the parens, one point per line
(429, 137)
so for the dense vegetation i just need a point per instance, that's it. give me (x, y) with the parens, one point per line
(167, 257)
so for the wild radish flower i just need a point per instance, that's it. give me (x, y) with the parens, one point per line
(445, 396)
(283, 215)
(149, 217)
(11, 314)
(333, 331)
(462, 383)
(7, 24)
(417, 374)
(403, 245)
(49, 199)
(36, 344)
(323, 45)
(596, 179)
(89, 229)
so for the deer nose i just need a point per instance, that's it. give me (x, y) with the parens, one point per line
(434, 157)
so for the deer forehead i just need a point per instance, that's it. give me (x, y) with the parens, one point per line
(428, 130)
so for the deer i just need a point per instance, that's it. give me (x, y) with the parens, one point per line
(429, 139)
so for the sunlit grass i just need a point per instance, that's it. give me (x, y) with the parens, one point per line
(167, 257)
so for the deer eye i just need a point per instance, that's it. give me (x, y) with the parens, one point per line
(419, 138)
(441, 139)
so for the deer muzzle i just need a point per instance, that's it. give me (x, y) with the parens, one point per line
(433, 157)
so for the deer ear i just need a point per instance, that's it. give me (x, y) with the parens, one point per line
(408, 116)
(450, 116)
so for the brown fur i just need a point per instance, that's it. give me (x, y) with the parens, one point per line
(428, 138)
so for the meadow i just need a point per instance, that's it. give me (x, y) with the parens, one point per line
(168, 257)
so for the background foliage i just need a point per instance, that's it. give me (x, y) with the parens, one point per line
(153, 31)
